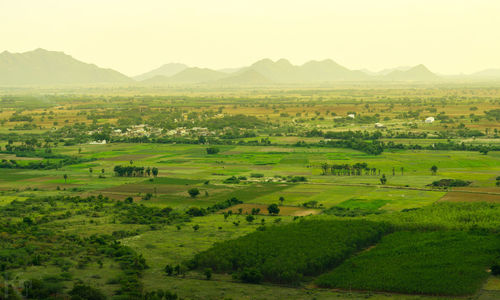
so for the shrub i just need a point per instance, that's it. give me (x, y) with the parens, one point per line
(193, 192)
(212, 150)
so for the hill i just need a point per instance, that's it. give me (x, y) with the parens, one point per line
(42, 67)
(188, 76)
(248, 77)
(487, 74)
(283, 71)
(416, 73)
(165, 70)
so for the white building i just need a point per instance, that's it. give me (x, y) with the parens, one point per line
(103, 142)
(429, 120)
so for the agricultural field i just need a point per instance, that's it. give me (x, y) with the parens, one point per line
(251, 193)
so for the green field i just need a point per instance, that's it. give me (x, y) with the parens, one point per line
(273, 193)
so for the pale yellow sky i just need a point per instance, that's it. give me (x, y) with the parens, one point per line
(134, 36)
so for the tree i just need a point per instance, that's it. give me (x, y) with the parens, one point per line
(273, 209)
(102, 171)
(196, 227)
(402, 171)
(324, 168)
(250, 218)
(208, 273)
(483, 150)
(282, 199)
(86, 292)
(155, 171)
(434, 169)
(193, 192)
(65, 177)
(169, 270)
(495, 269)
(90, 171)
(383, 179)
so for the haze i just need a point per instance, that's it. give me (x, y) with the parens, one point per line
(136, 36)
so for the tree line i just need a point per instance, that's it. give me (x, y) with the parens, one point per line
(133, 171)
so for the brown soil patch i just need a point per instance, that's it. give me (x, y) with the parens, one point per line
(488, 189)
(470, 197)
(284, 210)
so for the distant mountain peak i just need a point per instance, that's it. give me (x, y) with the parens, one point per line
(415, 73)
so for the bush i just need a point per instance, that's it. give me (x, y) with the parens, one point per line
(256, 175)
(212, 150)
(232, 180)
(450, 183)
(193, 192)
(250, 275)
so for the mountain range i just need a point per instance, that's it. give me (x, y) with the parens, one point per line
(42, 67)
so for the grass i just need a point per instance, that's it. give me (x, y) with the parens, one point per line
(446, 215)
(435, 263)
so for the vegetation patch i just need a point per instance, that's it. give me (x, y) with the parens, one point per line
(287, 253)
(450, 183)
(363, 204)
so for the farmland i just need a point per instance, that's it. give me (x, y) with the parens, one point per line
(251, 193)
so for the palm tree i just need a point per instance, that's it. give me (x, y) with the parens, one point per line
(65, 177)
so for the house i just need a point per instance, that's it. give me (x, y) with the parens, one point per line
(103, 142)
(352, 116)
(429, 120)
(379, 126)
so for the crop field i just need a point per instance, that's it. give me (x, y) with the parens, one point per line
(437, 263)
(252, 194)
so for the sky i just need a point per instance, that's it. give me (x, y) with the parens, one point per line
(135, 36)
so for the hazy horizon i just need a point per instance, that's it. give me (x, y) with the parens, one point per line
(449, 37)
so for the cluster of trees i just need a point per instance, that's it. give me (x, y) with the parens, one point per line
(42, 164)
(281, 254)
(450, 183)
(132, 213)
(345, 135)
(236, 121)
(197, 212)
(27, 241)
(374, 147)
(356, 169)
(133, 171)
